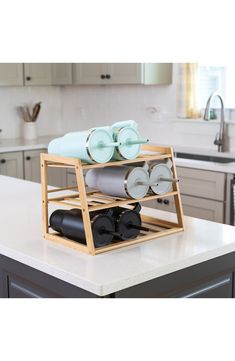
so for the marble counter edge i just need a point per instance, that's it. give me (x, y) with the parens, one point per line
(106, 289)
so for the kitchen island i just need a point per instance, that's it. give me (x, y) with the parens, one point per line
(198, 262)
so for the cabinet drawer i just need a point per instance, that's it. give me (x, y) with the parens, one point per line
(218, 288)
(18, 288)
(202, 183)
(203, 208)
(167, 204)
(32, 169)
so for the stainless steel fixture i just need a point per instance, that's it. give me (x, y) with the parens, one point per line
(220, 137)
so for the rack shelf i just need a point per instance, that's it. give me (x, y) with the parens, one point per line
(92, 200)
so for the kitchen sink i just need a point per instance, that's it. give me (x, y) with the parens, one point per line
(207, 158)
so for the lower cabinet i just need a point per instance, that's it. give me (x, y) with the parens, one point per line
(56, 176)
(26, 165)
(203, 208)
(203, 193)
(20, 281)
(221, 287)
(11, 164)
(32, 165)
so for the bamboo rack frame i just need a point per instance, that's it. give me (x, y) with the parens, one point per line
(88, 201)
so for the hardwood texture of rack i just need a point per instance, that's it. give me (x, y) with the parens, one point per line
(93, 200)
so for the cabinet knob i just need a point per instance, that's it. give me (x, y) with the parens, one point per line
(102, 76)
(108, 76)
(28, 78)
(159, 200)
(166, 201)
(3, 161)
(28, 157)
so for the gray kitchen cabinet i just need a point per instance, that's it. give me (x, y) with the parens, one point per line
(37, 74)
(18, 280)
(61, 73)
(56, 176)
(202, 193)
(157, 73)
(192, 206)
(11, 74)
(11, 164)
(89, 73)
(202, 183)
(122, 73)
(203, 208)
(166, 204)
(32, 165)
(221, 287)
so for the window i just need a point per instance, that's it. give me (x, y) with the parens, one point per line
(220, 77)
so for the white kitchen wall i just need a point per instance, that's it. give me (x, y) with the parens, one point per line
(49, 120)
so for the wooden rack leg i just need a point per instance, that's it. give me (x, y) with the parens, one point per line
(44, 181)
(85, 211)
(177, 198)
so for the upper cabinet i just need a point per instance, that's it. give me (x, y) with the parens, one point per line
(122, 73)
(158, 73)
(33, 74)
(61, 73)
(36, 74)
(11, 74)
(89, 73)
(106, 73)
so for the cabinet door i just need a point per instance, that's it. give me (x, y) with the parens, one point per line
(32, 165)
(38, 74)
(11, 74)
(22, 288)
(166, 204)
(89, 73)
(11, 164)
(56, 176)
(201, 183)
(124, 73)
(221, 287)
(157, 73)
(203, 208)
(61, 73)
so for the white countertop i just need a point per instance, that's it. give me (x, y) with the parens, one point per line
(21, 239)
(20, 144)
(201, 164)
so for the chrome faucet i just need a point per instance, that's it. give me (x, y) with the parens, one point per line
(220, 137)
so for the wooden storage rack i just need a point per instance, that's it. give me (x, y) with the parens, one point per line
(79, 197)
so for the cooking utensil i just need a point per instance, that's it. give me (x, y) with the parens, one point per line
(36, 110)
